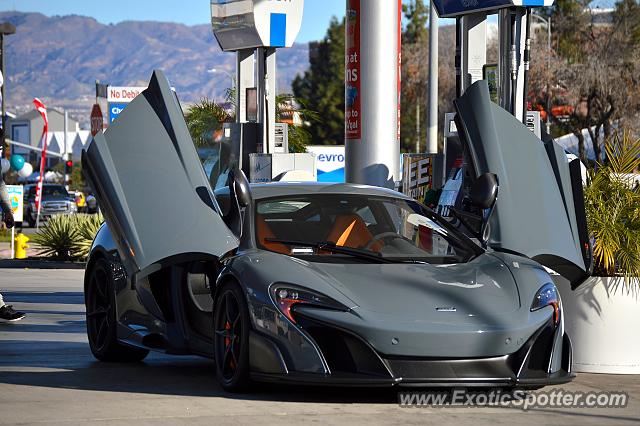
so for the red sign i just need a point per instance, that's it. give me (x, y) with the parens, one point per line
(353, 118)
(97, 121)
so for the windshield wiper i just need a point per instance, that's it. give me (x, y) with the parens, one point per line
(332, 247)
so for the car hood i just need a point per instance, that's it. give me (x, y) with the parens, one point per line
(473, 292)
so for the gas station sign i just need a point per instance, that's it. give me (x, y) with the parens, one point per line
(114, 110)
(123, 94)
(249, 24)
(353, 111)
(119, 98)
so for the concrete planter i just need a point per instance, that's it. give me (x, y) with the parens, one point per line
(602, 317)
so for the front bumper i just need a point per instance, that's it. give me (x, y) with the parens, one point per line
(352, 362)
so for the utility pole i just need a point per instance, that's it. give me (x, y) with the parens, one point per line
(6, 28)
(65, 152)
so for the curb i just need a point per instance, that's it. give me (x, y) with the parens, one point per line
(40, 264)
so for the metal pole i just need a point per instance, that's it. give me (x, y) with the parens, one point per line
(65, 154)
(432, 138)
(4, 120)
(549, 76)
(6, 28)
(547, 22)
(418, 127)
(373, 156)
(245, 79)
(526, 63)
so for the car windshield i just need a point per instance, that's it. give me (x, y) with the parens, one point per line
(50, 191)
(391, 228)
(54, 191)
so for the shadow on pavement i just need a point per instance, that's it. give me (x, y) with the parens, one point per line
(71, 366)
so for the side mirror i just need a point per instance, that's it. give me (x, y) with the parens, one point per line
(484, 191)
(240, 188)
(239, 199)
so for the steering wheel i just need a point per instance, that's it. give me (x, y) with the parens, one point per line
(386, 236)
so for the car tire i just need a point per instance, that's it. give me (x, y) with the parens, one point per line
(231, 338)
(100, 302)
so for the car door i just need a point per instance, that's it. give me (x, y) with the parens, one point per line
(151, 187)
(540, 207)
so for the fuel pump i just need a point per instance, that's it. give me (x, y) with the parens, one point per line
(507, 79)
(254, 30)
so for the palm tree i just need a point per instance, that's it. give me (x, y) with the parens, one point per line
(204, 119)
(299, 136)
(612, 204)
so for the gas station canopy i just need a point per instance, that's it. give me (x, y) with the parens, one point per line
(250, 24)
(453, 8)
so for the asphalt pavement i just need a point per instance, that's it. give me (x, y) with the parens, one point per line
(48, 376)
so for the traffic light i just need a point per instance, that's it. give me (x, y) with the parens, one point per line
(68, 167)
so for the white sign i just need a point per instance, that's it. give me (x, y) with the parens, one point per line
(16, 198)
(330, 160)
(123, 94)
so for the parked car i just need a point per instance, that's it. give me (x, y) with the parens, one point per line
(332, 284)
(55, 200)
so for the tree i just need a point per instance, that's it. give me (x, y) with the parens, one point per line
(299, 135)
(321, 88)
(571, 28)
(204, 119)
(415, 60)
(594, 71)
(417, 15)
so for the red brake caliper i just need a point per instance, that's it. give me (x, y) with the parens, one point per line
(227, 342)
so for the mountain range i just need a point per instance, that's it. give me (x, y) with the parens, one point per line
(59, 58)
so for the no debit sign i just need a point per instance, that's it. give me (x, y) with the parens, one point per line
(119, 98)
(123, 94)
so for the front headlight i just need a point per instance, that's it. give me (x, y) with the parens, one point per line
(547, 296)
(286, 296)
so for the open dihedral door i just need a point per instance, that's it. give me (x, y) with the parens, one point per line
(151, 187)
(540, 207)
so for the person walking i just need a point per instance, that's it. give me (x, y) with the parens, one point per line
(7, 313)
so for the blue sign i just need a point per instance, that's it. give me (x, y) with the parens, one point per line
(278, 30)
(115, 110)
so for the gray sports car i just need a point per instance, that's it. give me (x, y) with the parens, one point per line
(334, 284)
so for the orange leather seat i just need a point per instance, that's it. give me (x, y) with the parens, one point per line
(263, 232)
(351, 231)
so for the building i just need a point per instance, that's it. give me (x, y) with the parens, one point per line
(27, 129)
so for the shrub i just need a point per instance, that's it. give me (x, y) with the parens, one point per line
(68, 237)
(57, 237)
(87, 227)
(612, 203)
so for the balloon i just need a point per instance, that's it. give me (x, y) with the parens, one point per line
(5, 165)
(26, 170)
(17, 162)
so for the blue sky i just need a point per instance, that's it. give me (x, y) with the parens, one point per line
(317, 14)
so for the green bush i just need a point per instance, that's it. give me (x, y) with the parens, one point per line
(68, 237)
(87, 226)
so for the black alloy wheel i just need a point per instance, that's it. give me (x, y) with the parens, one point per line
(101, 318)
(231, 338)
